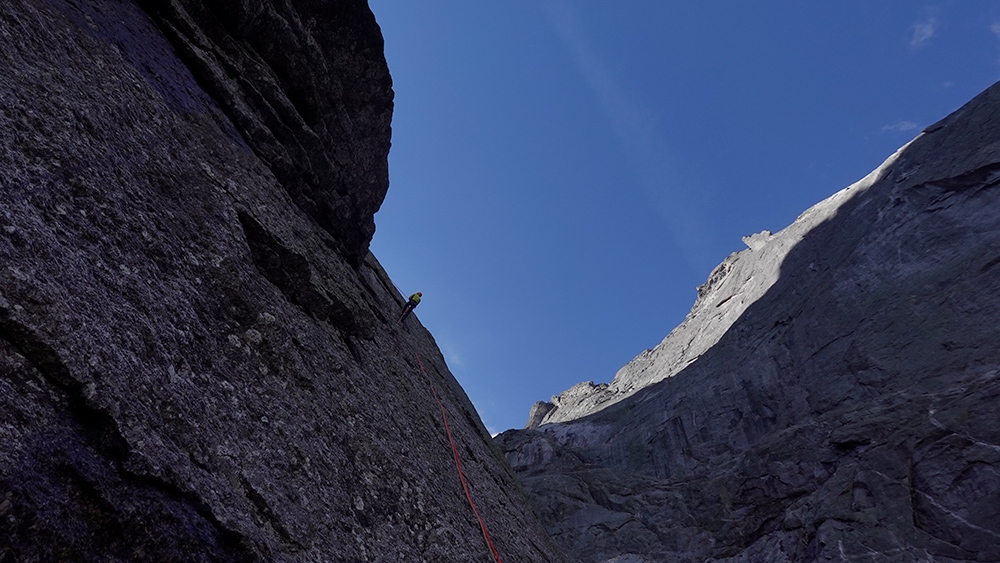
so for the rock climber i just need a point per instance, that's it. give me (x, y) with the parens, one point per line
(410, 306)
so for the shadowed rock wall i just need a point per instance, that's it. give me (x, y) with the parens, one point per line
(847, 412)
(306, 84)
(199, 361)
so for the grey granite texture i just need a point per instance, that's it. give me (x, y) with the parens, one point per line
(832, 396)
(199, 360)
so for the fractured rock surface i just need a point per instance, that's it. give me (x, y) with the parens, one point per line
(199, 360)
(306, 85)
(832, 396)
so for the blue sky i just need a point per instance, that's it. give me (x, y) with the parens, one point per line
(563, 174)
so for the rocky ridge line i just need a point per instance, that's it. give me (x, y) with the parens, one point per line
(735, 284)
(846, 413)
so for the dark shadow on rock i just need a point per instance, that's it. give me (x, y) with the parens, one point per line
(307, 86)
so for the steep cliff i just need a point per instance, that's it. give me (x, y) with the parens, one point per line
(832, 395)
(199, 359)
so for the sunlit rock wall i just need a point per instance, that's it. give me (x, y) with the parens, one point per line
(831, 397)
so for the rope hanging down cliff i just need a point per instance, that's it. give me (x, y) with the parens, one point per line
(458, 464)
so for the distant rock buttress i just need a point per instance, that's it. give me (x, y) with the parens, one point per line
(831, 396)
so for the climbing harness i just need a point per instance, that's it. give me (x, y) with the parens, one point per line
(411, 304)
(458, 464)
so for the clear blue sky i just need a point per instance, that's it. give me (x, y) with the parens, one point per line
(563, 173)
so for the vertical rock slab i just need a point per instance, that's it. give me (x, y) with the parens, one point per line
(194, 364)
(845, 413)
(307, 86)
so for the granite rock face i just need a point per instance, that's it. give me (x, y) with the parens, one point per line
(306, 84)
(832, 396)
(199, 360)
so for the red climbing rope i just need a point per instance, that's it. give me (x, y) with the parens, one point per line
(458, 464)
